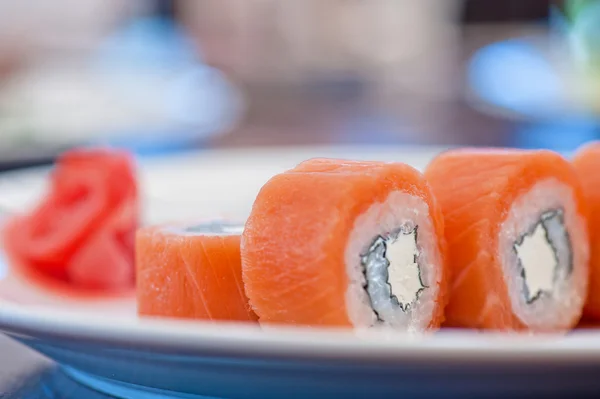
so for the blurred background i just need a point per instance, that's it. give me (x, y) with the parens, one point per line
(159, 76)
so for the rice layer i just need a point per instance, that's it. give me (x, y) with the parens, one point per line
(379, 294)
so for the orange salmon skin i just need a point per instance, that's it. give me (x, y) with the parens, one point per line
(190, 276)
(587, 165)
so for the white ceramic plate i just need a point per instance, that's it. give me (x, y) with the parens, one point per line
(102, 343)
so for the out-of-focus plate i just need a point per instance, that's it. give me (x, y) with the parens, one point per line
(101, 342)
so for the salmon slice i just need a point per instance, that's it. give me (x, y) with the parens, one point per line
(516, 229)
(587, 164)
(343, 243)
(191, 272)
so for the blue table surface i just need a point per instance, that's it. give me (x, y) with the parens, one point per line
(24, 374)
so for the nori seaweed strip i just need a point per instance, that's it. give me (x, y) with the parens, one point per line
(416, 256)
(365, 260)
(545, 217)
(559, 215)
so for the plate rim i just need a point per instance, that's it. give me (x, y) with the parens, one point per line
(197, 338)
(234, 339)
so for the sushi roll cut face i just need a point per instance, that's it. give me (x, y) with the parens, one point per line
(542, 253)
(516, 224)
(392, 264)
(358, 243)
(543, 261)
(392, 272)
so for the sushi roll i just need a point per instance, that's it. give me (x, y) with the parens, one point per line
(191, 272)
(346, 244)
(518, 247)
(587, 165)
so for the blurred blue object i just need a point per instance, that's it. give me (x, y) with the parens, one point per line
(124, 390)
(563, 136)
(197, 100)
(516, 76)
(152, 42)
(200, 96)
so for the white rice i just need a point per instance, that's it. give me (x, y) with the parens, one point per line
(555, 311)
(380, 219)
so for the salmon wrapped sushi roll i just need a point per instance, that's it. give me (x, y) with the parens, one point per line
(346, 244)
(587, 164)
(518, 247)
(191, 272)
